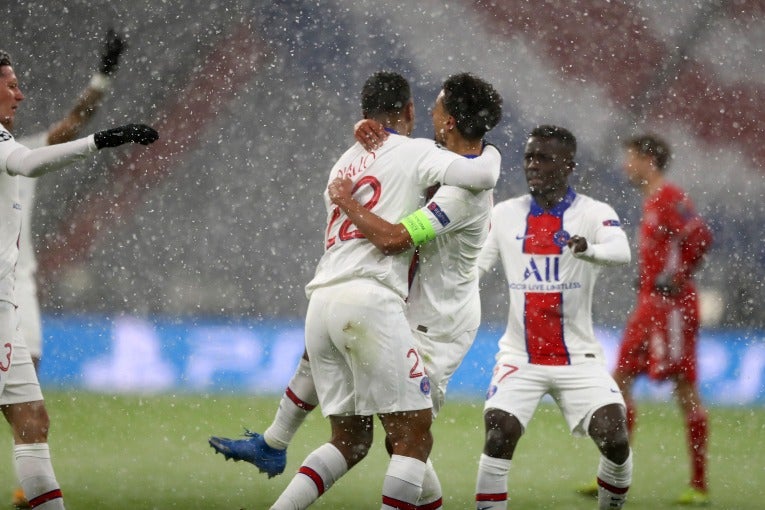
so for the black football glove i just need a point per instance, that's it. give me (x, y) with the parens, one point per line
(114, 45)
(136, 133)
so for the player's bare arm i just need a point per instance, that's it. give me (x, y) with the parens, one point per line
(87, 104)
(388, 238)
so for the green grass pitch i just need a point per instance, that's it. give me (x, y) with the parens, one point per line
(151, 452)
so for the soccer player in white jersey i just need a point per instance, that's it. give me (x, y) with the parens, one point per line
(552, 243)
(21, 400)
(65, 130)
(363, 357)
(444, 307)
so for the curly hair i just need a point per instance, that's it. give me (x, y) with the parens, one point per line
(474, 103)
(384, 93)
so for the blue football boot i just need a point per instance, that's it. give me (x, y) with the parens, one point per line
(254, 450)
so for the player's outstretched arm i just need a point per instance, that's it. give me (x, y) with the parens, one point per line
(37, 162)
(476, 174)
(68, 128)
(387, 237)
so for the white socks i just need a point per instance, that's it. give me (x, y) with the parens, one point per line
(613, 483)
(403, 482)
(319, 471)
(298, 400)
(431, 497)
(35, 473)
(491, 486)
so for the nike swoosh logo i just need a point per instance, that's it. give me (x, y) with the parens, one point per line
(520, 238)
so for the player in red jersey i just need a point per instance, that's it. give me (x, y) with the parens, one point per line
(660, 335)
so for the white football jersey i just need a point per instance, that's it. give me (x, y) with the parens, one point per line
(27, 264)
(443, 298)
(550, 289)
(390, 182)
(10, 220)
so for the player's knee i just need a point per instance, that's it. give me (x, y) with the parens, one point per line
(30, 422)
(608, 428)
(503, 430)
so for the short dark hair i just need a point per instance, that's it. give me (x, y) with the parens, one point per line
(5, 59)
(563, 135)
(653, 146)
(384, 93)
(474, 103)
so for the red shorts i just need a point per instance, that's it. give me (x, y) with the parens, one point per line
(660, 338)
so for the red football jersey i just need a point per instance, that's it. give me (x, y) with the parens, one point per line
(673, 239)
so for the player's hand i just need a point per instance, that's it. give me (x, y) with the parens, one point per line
(114, 45)
(135, 133)
(370, 134)
(340, 190)
(577, 244)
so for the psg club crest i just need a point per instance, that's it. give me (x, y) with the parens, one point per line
(492, 390)
(425, 385)
(561, 237)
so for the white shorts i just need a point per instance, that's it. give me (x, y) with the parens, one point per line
(579, 390)
(18, 379)
(29, 314)
(363, 355)
(442, 357)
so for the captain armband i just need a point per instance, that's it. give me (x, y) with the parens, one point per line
(419, 228)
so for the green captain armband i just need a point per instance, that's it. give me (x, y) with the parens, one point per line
(419, 227)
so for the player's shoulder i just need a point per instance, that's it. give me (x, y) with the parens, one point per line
(426, 146)
(587, 202)
(522, 202)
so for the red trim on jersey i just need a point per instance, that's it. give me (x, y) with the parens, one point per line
(44, 498)
(500, 496)
(543, 311)
(296, 400)
(395, 503)
(611, 488)
(314, 476)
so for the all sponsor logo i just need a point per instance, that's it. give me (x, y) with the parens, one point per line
(545, 269)
(5, 136)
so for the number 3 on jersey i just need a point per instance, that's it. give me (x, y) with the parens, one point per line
(346, 229)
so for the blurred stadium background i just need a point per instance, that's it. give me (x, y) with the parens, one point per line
(209, 238)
